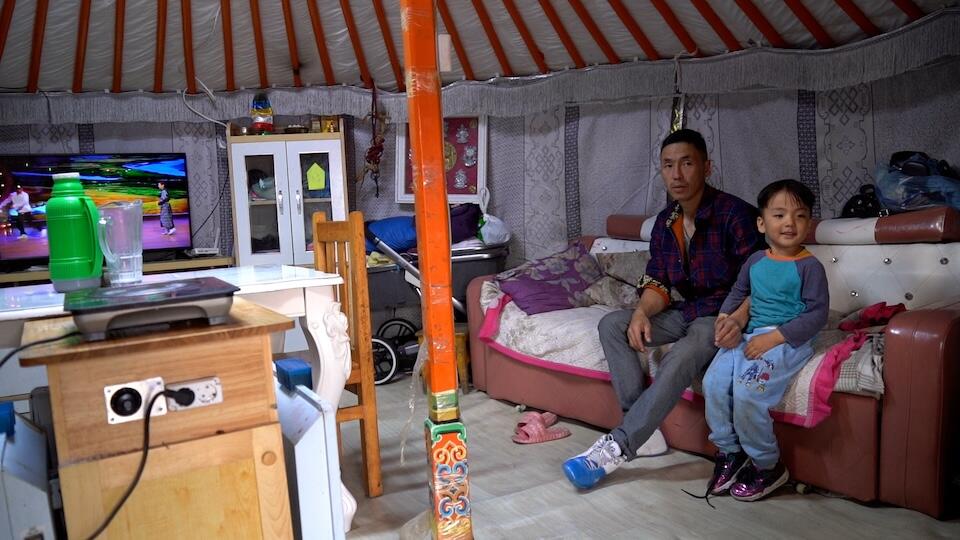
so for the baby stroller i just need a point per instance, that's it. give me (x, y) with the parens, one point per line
(395, 343)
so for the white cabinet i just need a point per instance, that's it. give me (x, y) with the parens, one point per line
(278, 182)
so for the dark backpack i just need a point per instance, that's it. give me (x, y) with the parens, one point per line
(864, 204)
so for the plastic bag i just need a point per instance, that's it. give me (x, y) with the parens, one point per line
(493, 231)
(900, 192)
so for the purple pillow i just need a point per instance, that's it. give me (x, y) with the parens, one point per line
(552, 283)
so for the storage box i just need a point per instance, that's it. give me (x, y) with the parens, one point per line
(389, 289)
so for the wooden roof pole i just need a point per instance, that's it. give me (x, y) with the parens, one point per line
(36, 50)
(291, 42)
(492, 37)
(6, 16)
(455, 38)
(858, 17)
(118, 25)
(908, 7)
(258, 42)
(321, 42)
(674, 23)
(445, 433)
(80, 54)
(527, 37)
(357, 45)
(388, 42)
(762, 24)
(160, 46)
(226, 19)
(561, 31)
(627, 19)
(810, 22)
(715, 22)
(186, 20)
(594, 30)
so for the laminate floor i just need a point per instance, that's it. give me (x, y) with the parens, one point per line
(519, 491)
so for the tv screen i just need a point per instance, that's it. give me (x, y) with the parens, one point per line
(105, 178)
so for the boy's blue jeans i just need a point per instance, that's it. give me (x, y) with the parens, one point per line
(739, 393)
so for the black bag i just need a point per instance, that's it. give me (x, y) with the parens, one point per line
(864, 204)
(913, 163)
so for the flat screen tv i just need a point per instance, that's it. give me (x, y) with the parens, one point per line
(105, 178)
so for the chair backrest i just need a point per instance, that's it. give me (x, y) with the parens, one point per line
(339, 248)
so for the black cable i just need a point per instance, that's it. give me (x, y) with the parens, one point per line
(143, 459)
(10, 354)
(223, 189)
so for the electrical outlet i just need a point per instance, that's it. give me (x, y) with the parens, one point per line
(205, 392)
(127, 402)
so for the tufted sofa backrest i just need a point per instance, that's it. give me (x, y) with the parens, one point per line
(913, 258)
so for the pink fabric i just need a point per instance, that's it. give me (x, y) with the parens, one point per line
(874, 315)
(823, 382)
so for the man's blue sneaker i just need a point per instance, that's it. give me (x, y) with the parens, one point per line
(586, 469)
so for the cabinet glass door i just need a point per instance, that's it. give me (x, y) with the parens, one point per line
(260, 178)
(315, 171)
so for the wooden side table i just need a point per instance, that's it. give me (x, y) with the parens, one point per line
(214, 471)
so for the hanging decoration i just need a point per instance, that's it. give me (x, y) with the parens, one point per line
(371, 159)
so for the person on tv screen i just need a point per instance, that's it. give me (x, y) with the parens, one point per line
(19, 201)
(166, 211)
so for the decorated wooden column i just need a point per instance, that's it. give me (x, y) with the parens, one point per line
(445, 434)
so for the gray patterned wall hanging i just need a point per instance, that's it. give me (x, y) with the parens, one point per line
(702, 114)
(543, 182)
(845, 145)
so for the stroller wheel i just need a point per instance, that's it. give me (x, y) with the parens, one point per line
(384, 361)
(396, 328)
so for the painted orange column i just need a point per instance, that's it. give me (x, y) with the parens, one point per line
(445, 434)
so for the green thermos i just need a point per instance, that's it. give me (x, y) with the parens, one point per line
(76, 261)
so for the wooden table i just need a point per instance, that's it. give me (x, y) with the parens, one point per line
(213, 472)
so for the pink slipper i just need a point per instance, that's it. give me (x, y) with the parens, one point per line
(534, 430)
(546, 418)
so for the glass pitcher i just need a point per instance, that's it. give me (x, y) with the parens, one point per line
(120, 229)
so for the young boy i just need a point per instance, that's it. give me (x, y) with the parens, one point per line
(784, 289)
(166, 211)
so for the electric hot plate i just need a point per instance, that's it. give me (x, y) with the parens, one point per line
(99, 312)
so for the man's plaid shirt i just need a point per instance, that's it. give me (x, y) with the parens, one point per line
(726, 234)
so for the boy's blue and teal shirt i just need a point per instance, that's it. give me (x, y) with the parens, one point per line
(790, 293)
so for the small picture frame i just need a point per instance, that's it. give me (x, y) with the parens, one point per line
(465, 160)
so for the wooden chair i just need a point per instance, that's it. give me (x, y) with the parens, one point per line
(339, 247)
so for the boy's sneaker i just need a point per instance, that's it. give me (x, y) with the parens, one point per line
(172, 230)
(760, 482)
(725, 471)
(586, 469)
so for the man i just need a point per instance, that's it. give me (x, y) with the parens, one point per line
(697, 246)
(19, 201)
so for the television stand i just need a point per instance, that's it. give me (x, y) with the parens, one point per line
(173, 265)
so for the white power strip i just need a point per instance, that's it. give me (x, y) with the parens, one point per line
(203, 252)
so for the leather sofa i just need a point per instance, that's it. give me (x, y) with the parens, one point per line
(903, 449)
